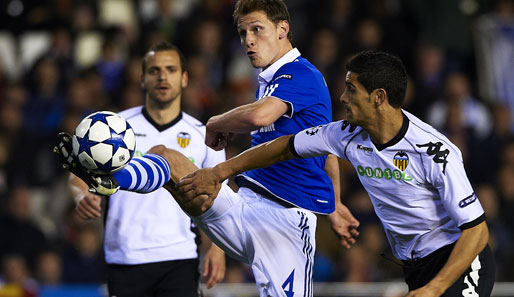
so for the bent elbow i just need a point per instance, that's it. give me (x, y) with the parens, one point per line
(258, 119)
(485, 235)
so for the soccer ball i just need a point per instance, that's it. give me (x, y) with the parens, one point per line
(104, 142)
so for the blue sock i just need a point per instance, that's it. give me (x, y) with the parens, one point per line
(144, 174)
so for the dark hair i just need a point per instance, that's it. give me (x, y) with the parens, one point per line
(161, 47)
(275, 10)
(376, 70)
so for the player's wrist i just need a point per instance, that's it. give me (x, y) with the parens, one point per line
(220, 172)
(78, 197)
(438, 286)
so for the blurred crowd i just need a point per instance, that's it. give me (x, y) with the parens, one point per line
(62, 59)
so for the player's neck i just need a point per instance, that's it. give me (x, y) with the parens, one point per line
(284, 49)
(386, 126)
(163, 114)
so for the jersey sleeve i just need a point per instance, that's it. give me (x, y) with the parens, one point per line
(317, 141)
(296, 85)
(446, 170)
(213, 157)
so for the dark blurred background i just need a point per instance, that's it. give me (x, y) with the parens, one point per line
(62, 59)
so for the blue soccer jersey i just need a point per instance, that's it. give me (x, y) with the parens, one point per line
(302, 182)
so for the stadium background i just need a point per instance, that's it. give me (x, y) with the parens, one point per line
(62, 59)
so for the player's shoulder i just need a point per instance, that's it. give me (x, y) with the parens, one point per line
(131, 112)
(191, 120)
(346, 127)
(300, 68)
(342, 129)
(426, 138)
(193, 123)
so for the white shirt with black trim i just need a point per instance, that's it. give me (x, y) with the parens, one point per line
(416, 181)
(146, 228)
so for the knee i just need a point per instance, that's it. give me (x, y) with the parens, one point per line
(182, 165)
(170, 155)
(158, 149)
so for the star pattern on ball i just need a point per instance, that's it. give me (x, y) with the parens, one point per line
(103, 147)
(116, 140)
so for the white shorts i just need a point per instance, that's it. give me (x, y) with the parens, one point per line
(278, 242)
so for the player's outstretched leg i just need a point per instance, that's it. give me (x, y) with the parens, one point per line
(143, 174)
(102, 185)
(182, 166)
(161, 167)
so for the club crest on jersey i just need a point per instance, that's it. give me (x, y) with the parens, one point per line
(183, 139)
(401, 160)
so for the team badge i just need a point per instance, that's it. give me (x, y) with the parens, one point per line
(401, 160)
(183, 139)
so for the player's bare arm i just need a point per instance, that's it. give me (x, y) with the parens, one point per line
(243, 119)
(207, 181)
(213, 263)
(342, 221)
(470, 243)
(88, 205)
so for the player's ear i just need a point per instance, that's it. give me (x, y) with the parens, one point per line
(142, 81)
(283, 27)
(379, 96)
(185, 79)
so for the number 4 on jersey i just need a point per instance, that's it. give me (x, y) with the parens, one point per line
(289, 285)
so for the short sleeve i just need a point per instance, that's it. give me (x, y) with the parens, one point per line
(447, 173)
(213, 157)
(319, 141)
(297, 86)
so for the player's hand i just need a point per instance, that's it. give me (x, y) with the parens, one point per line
(201, 182)
(89, 207)
(213, 266)
(344, 225)
(216, 140)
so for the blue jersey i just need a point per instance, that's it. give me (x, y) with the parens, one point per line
(302, 182)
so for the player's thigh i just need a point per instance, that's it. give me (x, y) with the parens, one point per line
(180, 279)
(284, 245)
(127, 281)
(222, 224)
(478, 280)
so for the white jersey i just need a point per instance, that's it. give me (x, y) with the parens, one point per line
(416, 181)
(145, 228)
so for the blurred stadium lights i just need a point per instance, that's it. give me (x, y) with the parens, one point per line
(15, 8)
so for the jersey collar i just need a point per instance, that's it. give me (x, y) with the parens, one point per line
(266, 75)
(160, 128)
(398, 137)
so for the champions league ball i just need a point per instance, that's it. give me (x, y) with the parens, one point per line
(104, 142)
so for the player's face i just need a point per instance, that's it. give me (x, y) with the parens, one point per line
(359, 106)
(260, 38)
(163, 79)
